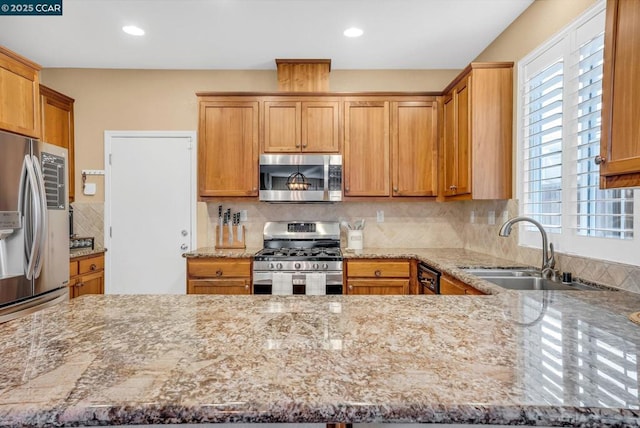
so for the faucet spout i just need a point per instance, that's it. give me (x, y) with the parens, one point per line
(548, 256)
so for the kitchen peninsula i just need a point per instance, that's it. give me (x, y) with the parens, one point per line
(529, 358)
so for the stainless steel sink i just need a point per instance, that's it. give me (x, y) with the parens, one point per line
(524, 279)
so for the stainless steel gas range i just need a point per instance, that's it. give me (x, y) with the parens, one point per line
(299, 257)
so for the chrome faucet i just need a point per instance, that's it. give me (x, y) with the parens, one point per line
(548, 258)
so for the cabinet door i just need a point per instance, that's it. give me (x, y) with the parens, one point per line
(449, 145)
(463, 138)
(620, 143)
(321, 126)
(19, 99)
(228, 148)
(415, 149)
(56, 112)
(457, 141)
(219, 286)
(90, 284)
(282, 126)
(378, 286)
(450, 285)
(366, 148)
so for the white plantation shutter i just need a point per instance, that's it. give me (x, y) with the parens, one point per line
(543, 116)
(600, 213)
(560, 102)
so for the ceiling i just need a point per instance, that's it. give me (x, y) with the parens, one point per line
(250, 34)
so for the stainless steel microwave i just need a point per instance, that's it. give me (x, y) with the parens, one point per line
(301, 178)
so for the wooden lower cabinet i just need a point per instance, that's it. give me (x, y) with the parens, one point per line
(218, 276)
(378, 276)
(86, 275)
(452, 286)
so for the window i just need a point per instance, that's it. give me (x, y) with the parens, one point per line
(560, 100)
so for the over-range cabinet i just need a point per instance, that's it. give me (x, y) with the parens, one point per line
(34, 227)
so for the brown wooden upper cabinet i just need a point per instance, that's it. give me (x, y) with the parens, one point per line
(619, 158)
(228, 147)
(19, 94)
(477, 133)
(292, 126)
(391, 146)
(56, 112)
(366, 148)
(414, 140)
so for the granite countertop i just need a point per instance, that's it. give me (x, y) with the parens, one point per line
(536, 358)
(73, 254)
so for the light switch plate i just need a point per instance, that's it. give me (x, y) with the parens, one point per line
(243, 215)
(380, 216)
(491, 217)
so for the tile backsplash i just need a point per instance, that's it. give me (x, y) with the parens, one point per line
(88, 220)
(429, 224)
(406, 224)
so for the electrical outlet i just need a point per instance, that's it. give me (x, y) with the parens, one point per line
(380, 216)
(243, 215)
(491, 217)
(505, 216)
(472, 217)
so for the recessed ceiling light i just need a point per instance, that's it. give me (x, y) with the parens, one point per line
(133, 30)
(353, 32)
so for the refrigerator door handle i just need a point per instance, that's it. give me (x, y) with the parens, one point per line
(31, 212)
(41, 221)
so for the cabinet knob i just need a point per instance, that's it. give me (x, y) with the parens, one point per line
(395, 189)
(304, 146)
(377, 273)
(184, 247)
(219, 272)
(93, 266)
(346, 189)
(599, 160)
(351, 287)
(246, 286)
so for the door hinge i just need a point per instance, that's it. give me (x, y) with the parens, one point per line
(110, 232)
(109, 158)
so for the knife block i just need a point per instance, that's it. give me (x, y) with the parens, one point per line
(225, 238)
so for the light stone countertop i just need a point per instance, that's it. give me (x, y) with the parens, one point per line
(74, 254)
(531, 358)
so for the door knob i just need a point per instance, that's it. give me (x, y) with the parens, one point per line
(184, 247)
(184, 232)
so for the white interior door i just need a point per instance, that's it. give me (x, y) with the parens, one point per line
(149, 210)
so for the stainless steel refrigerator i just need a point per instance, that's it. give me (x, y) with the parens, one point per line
(34, 225)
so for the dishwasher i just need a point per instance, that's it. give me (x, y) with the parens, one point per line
(428, 279)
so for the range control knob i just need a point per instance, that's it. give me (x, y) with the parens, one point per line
(315, 266)
(279, 266)
(325, 266)
(297, 266)
(271, 266)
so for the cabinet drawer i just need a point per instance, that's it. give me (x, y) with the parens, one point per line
(218, 268)
(378, 269)
(73, 268)
(217, 286)
(92, 264)
(378, 286)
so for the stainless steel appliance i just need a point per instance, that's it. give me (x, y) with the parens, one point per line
(301, 178)
(299, 252)
(34, 225)
(428, 279)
